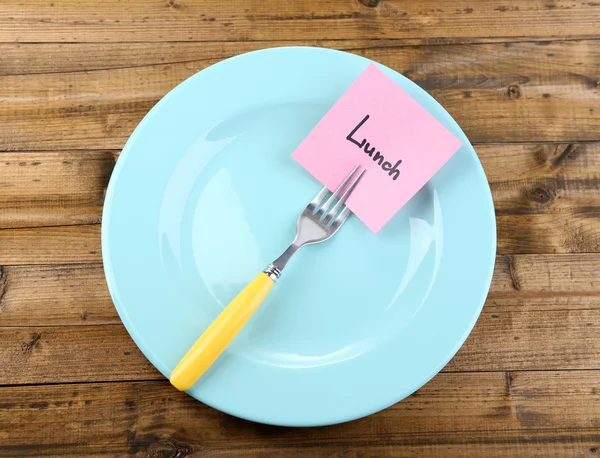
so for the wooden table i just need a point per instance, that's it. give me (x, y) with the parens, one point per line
(522, 77)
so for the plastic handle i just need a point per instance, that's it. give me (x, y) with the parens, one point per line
(220, 333)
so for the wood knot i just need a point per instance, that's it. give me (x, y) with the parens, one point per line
(514, 92)
(130, 404)
(369, 3)
(183, 449)
(172, 4)
(555, 156)
(540, 195)
(169, 447)
(594, 450)
(27, 347)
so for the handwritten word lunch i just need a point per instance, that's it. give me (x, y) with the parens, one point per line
(376, 155)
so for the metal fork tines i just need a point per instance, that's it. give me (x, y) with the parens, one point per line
(319, 221)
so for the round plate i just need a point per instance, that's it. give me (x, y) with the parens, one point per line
(205, 195)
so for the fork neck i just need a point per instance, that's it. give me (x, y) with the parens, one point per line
(275, 269)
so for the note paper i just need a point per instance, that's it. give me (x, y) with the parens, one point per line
(377, 125)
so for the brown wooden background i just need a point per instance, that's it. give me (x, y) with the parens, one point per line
(522, 77)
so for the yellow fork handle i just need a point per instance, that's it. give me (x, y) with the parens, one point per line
(220, 333)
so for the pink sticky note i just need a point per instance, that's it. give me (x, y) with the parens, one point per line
(379, 126)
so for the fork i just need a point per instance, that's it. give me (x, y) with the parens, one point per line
(318, 222)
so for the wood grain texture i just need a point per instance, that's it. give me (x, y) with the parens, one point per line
(534, 283)
(50, 245)
(52, 189)
(76, 294)
(538, 340)
(55, 295)
(55, 354)
(531, 340)
(540, 58)
(520, 76)
(91, 102)
(186, 20)
(545, 414)
(82, 244)
(546, 196)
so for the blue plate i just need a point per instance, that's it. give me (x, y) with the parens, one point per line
(205, 195)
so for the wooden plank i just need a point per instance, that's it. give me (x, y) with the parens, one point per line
(526, 164)
(547, 200)
(81, 244)
(55, 295)
(77, 294)
(469, 415)
(52, 189)
(542, 192)
(572, 234)
(537, 340)
(546, 196)
(536, 179)
(71, 354)
(575, 443)
(180, 20)
(548, 233)
(532, 341)
(50, 245)
(551, 88)
(544, 282)
(39, 58)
